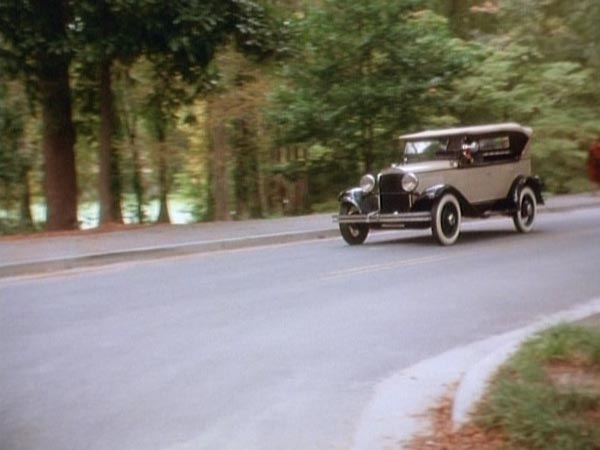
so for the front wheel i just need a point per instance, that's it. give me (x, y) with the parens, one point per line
(446, 219)
(353, 233)
(524, 217)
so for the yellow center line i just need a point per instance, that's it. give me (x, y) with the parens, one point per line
(391, 265)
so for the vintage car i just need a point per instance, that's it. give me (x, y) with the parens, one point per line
(442, 176)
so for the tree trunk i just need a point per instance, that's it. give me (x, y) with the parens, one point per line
(58, 140)
(163, 183)
(109, 179)
(129, 119)
(301, 195)
(138, 185)
(457, 12)
(368, 146)
(256, 210)
(246, 172)
(262, 178)
(220, 179)
(26, 220)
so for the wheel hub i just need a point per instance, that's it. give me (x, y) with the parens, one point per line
(451, 219)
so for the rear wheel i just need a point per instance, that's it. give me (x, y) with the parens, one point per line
(353, 233)
(446, 219)
(524, 217)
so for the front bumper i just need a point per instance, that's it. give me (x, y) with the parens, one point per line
(413, 218)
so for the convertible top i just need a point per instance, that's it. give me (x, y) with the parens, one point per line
(474, 130)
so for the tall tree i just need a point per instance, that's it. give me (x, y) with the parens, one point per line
(34, 45)
(160, 108)
(129, 107)
(364, 72)
(106, 32)
(15, 164)
(190, 35)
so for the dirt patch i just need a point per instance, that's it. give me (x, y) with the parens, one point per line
(570, 377)
(442, 436)
(591, 321)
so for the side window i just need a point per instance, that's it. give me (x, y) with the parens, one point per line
(495, 149)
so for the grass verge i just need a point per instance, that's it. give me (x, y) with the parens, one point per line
(548, 395)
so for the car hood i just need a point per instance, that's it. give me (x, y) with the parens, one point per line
(421, 167)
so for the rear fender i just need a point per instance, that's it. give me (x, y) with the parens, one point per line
(534, 183)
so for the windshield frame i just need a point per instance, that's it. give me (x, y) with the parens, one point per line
(426, 149)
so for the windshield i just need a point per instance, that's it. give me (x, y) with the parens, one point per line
(426, 150)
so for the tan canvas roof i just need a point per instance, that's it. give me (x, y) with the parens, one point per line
(479, 129)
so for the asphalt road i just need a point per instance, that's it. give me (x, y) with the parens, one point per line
(267, 348)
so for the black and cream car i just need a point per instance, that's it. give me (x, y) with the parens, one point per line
(445, 175)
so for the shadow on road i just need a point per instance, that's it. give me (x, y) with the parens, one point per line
(466, 238)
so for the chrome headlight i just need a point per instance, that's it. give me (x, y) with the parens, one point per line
(409, 182)
(367, 183)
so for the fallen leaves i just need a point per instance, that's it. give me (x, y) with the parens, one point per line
(443, 436)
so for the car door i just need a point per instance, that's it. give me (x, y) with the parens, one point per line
(491, 173)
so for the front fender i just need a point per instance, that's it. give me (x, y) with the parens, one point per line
(435, 192)
(350, 196)
(431, 194)
(365, 203)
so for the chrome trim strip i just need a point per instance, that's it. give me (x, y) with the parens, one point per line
(415, 217)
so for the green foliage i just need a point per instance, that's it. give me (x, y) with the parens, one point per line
(565, 37)
(535, 413)
(353, 75)
(33, 42)
(259, 31)
(560, 30)
(364, 72)
(565, 343)
(16, 160)
(11, 133)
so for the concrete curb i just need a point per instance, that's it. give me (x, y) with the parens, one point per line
(593, 201)
(147, 253)
(398, 409)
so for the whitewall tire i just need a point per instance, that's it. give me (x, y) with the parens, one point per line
(524, 216)
(446, 219)
(353, 234)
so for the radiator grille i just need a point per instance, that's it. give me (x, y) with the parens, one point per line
(391, 197)
(390, 183)
(391, 203)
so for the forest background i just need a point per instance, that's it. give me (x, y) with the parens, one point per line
(138, 111)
